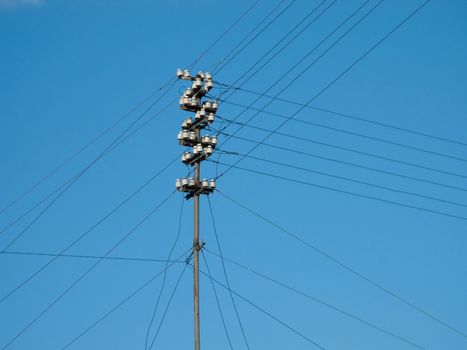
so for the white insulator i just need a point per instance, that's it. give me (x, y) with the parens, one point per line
(206, 139)
(188, 92)
(211, 117)
(208, 85)
(214, 140)
(186, 156)
(185, 134)
(212, 183)
(194, 102)
(207, 76)
(215, 104)
(179, 135)
(184, 181)
(185, 100)
(184, 124)
(199, 148)
(200, 75)
(198, 115)
(205, 183)
(202, 112)
(186, 74)
(189, 121)
(192, 136)
(195, 150)
(192, 182)
(198, 83)
(178, 183)
(179, 73)
(208, 105)
(208, 150)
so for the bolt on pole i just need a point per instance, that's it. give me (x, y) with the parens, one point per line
(202, 146)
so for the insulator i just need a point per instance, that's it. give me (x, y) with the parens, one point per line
(208, 150)
(208, 105)
(179, 73)
(212, 183)
(195, 149)
(185, 100)
(214, 140)
(184, 181)
(205, 183)
(206, 139)
(188, 92)
(202, 112)
(186, 74)
(185, 134)
(198, 115)
(200, 75)
(192, 182)
(194, 102)
(184, 124)
(199, 148)
(179, 135)
(192, 136)
(211, 117)
(189, 122)
(215, 105)
(207, 76)
(186, 156)
(178, 183)
(208, 85)
(198, 83)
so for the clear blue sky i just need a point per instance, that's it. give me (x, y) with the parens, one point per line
(69, 69)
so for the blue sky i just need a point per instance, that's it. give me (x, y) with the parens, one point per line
(69, 70)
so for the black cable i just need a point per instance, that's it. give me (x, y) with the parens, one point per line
(344, 178)
(315, 155)
(217, 301)
(126, 299)
(83, 275)
(165, 273)
(167, 307)
(317, 300)
(237, 314)
(269, 14)
(344, 266)
(352, 150)
(352, 133)
(312, 63)
(255, 36)
(340, 114)
(80, 256)
(257, 307)
(355, 194)
(84, 234)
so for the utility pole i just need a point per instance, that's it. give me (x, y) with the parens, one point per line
(201, 148)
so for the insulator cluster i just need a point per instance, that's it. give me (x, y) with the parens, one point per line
(200, 147)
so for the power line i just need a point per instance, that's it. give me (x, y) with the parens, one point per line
(218, 302)
(122, 302)
(344, 266)
(307, 55)
(165, 273)
(317, 300)
(333, 189)
(80, 256)
(225, 275)
(83, 275)
(167, 307)
(368, 137)
(256, 36)
(339, 76)
(352, 150)
(315, 155)
(340, 114)
(257, 307)
(344, 178)
(84, 234)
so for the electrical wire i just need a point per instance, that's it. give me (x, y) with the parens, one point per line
(165, 273)
(255, 36)
(270, 315)
(237, 314)
(93, 227)
(122, 302)
(80, 256)
(269, 14)
(352, 133)
(315, 155)
(167, 307)
(83, 275)
(217, 301)
(352, 150)
(340, 114)
(344, 266)
(317, 300)
(344, 178)
(350, 193)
